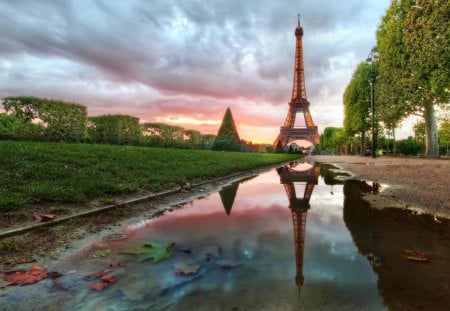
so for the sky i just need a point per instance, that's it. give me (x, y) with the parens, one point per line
(184, 62)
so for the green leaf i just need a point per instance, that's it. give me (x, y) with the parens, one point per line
(101, 253)
(153, 250)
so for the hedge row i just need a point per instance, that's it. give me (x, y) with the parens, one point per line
(33, 118)
(62, 121)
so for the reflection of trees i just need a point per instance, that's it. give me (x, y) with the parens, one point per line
(227, 195)
(327, 171)
(299, 206)
(383, 236)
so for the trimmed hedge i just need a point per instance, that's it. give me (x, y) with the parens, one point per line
(14, 128)
(162, 135)
(114, 129)
(62, 121)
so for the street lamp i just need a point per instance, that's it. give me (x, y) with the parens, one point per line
(370, 59)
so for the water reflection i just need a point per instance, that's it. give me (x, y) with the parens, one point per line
(257, 243)
(383, 236)
(308, 176)
(227, 196)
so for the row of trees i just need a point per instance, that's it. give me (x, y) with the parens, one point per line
(411, 73)
(33, 118)
(335, 141)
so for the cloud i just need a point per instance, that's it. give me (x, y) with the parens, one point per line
(159, 58)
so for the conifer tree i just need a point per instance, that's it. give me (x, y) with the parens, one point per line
(228, 138)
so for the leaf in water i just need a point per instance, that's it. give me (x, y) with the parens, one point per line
(33, 275)
(186, 268)
(153, 250)
(108, 279)
(101, 253)
(99, 286)
(415, 256)
(227, 263)
(96, 275)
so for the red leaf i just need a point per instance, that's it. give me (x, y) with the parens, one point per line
(97, 275)
(107, 278)
(416, 256)
(99, 286)
(43, 217)
(33, 275)
(47, 217)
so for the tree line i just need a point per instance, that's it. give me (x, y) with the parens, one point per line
(33, 118)
(410, 75)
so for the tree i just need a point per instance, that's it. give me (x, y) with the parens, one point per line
(413, 43)
(357, 104)
(333, 140)
(228, 137)
(444, 136)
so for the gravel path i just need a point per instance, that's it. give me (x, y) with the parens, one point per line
(418, 184)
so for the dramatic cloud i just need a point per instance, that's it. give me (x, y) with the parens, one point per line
(184, 62)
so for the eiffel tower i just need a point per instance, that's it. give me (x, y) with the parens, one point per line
(299, 208)
(298, 104)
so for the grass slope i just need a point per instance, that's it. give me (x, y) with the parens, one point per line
(52, 172)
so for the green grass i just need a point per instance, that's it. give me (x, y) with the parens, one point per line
(33, 172)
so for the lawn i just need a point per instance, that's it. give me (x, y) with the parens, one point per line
(32, 172)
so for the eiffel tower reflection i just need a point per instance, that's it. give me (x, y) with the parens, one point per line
(291, 176)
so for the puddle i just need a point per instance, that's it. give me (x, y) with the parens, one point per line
(294, 238)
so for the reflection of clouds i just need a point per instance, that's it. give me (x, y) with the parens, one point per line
(259, 236)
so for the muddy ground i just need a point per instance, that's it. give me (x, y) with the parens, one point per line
(418, 184)
(413, 183)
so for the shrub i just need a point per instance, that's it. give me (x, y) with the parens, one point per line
(114, 129)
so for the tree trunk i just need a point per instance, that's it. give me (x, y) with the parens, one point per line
(394, 151)
(431, 138)
(362, 150)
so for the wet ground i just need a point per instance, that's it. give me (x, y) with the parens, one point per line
(288, 239)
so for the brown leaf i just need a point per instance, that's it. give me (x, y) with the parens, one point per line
(33, 275)
(97, 275)
(43, 217)
(108, 279)
(415, 256)
(227, 263)
(99, 286)
(186, 268)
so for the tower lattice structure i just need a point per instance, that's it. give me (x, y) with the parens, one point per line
(299, 104)
(299, 207)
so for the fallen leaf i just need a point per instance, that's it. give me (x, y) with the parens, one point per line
(227, 263)
(33, 275)
(43, 217)
(96, 275)
(99, 286)
(101, 253)
(153, 250)
(108, 279)
(186, 268)
(415, 256)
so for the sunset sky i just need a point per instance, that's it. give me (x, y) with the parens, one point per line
(184, 62)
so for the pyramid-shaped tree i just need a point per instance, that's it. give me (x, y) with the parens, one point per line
(228, 137)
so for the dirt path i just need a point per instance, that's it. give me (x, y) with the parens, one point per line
(418, 184)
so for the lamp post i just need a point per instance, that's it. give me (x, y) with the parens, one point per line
(373, 54)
